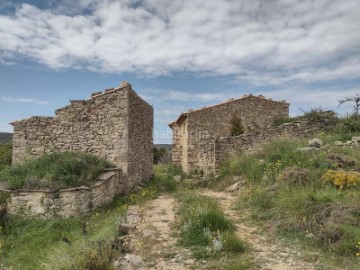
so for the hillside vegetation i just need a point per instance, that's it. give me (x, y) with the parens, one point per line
(5, 155)
(55, 171)
(297, 194)
(310, 197)
(290, 196)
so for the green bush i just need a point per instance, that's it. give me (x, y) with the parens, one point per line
(55, 171)
(278, 121)
(348, 125)
(232, 243)
(5, 155)
(236, 126)
(161, 155)
(243, 264)
(200, 217)
(99, 257)
(204, 227)
(316, 115)
(164, 177)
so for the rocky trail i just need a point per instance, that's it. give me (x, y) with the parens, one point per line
(152, 245)
(149, 242)
(268, 253)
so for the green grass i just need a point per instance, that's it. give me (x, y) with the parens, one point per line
(55, 244)
(204, 227)
(278, 121)
(5, 155)
(55, 171)
(164, 177)
(330, 215)
(273, 158)
(85, 242)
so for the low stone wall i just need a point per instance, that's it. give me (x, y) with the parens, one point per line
(213, 153)
(67, 202)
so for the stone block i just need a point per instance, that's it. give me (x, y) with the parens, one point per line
(315, 143)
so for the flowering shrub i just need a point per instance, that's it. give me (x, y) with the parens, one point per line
(341, 178)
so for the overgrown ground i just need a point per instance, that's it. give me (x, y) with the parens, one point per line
(87, 242)
(295, 210)
(55, 171)
(311, 198)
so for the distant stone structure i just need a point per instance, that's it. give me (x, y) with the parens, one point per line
(115, 124)
(194, 132)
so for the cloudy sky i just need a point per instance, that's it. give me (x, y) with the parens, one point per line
(178, 55)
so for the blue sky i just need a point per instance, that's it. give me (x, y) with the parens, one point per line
(178, 55)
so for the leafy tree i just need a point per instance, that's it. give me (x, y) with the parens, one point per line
(355, 99)
(236, 126)
(159, 154)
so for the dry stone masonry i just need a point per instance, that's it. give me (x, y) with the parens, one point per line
(223, 147)
(66, 202)
(194, 132)
(115, 124)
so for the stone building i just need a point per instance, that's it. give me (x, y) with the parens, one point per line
(115, 124)
(195, 130)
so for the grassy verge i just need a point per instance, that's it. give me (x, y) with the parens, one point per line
(55, 171)
(5, 155)
(85, 242)
(287, 193)
(164, 177)
(204, 228)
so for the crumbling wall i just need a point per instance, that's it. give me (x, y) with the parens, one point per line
(67, 202)
(32, 137)
(256, 113)
(224, 147)
(140, 145)
(176, 150)
(116, 125)
(180, 145)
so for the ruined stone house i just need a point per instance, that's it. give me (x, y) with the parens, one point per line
(115, 124)
(195, 131)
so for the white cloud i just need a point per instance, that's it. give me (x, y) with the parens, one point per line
(24, 100)
(305, 98)
(184, 96)
(260, 42)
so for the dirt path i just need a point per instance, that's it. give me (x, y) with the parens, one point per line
(154, 244)
(268, 253)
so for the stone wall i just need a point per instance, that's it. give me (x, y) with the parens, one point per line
(140, 145)
(116, 125)
(214, 152)
(67, 202)
(197, 126)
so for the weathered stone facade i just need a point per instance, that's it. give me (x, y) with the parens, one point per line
(194, 132)
(67, 202)
(225, 147)
(213, 152)
(115, 124)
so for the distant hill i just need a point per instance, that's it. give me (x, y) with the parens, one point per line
(5, 137)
